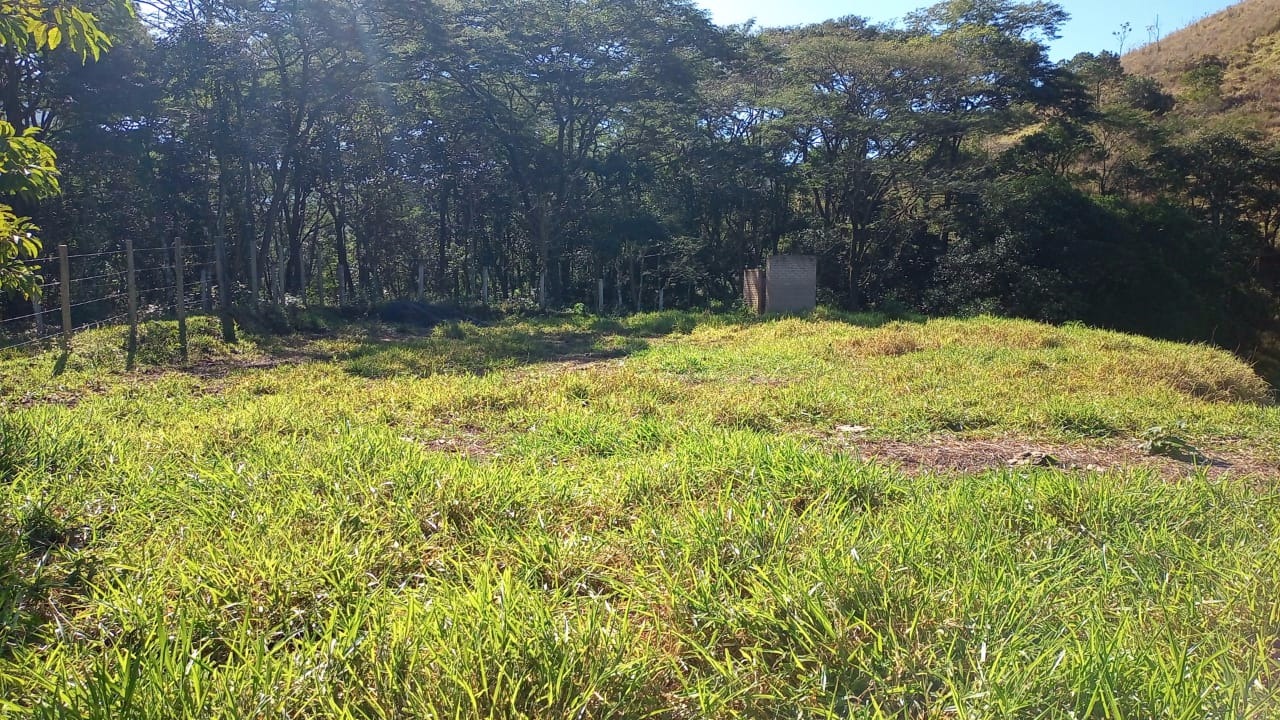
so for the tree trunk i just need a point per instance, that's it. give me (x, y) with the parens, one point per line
(442, 248)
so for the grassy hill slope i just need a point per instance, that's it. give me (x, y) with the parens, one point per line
(678, 515)
(1247, 37)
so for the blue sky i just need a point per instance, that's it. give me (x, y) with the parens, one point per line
(1091, 27)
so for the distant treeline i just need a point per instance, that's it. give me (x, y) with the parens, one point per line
(340, 151)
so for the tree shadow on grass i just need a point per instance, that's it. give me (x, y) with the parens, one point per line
(478, 351)
(44, 575)
(467, 348)
(425, 344)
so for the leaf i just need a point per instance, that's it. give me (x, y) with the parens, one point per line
(54, 38)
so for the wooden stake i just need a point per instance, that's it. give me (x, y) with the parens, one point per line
(64, 289)
(181, 299)
(131, 276)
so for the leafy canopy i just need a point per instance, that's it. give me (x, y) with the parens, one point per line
(27, 166)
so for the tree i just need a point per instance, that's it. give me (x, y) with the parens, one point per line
(364, 152)
(28, 29)
(560, 89)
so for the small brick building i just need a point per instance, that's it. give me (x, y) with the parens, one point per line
(787, 284)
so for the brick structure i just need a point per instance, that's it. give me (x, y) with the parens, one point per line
(791, 284)
(787, 284)
(753, 289)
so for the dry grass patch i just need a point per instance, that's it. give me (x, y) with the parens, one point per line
(888, 341)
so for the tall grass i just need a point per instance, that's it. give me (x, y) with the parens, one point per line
(565, 518)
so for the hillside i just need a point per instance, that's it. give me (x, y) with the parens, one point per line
(671, 515)
(1246, 36)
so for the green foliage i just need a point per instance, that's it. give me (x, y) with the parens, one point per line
(18, 245)
(26, 164)
(1159, 441)
(1203, 80)
(609, 536)
(941, 164)
(28, 26)
(27, 169)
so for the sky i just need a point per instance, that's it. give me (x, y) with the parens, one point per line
(1091, 27)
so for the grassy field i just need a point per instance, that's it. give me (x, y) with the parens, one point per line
(666, 515)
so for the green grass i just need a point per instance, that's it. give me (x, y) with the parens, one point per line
(574, 517)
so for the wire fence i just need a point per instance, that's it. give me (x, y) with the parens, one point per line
(111, 287)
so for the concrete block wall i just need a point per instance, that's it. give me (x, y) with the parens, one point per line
(791, 284)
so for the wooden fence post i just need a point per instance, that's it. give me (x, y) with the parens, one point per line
(180, 296)
(131, 276)
(64, 289)
(600, 296)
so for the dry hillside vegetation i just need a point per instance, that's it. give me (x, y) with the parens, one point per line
(1247, 37)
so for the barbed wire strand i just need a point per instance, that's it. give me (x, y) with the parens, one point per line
(99, 277)
(97, 254)
(56, 283)
(157, 309)
(99, 323)
(28, 317)
(33, 341)
(98, 299)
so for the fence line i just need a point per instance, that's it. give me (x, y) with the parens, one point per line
(92, 277)
(31, 329)
(92, 255)
(102, 323)
(28, 343)
(26, 317)
(97, 300)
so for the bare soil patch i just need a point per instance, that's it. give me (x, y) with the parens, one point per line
(65, 398)
(570, 363)
(469, 443)
(222, 368)
(948, 454)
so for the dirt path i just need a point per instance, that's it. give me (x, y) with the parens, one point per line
(963, 455)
